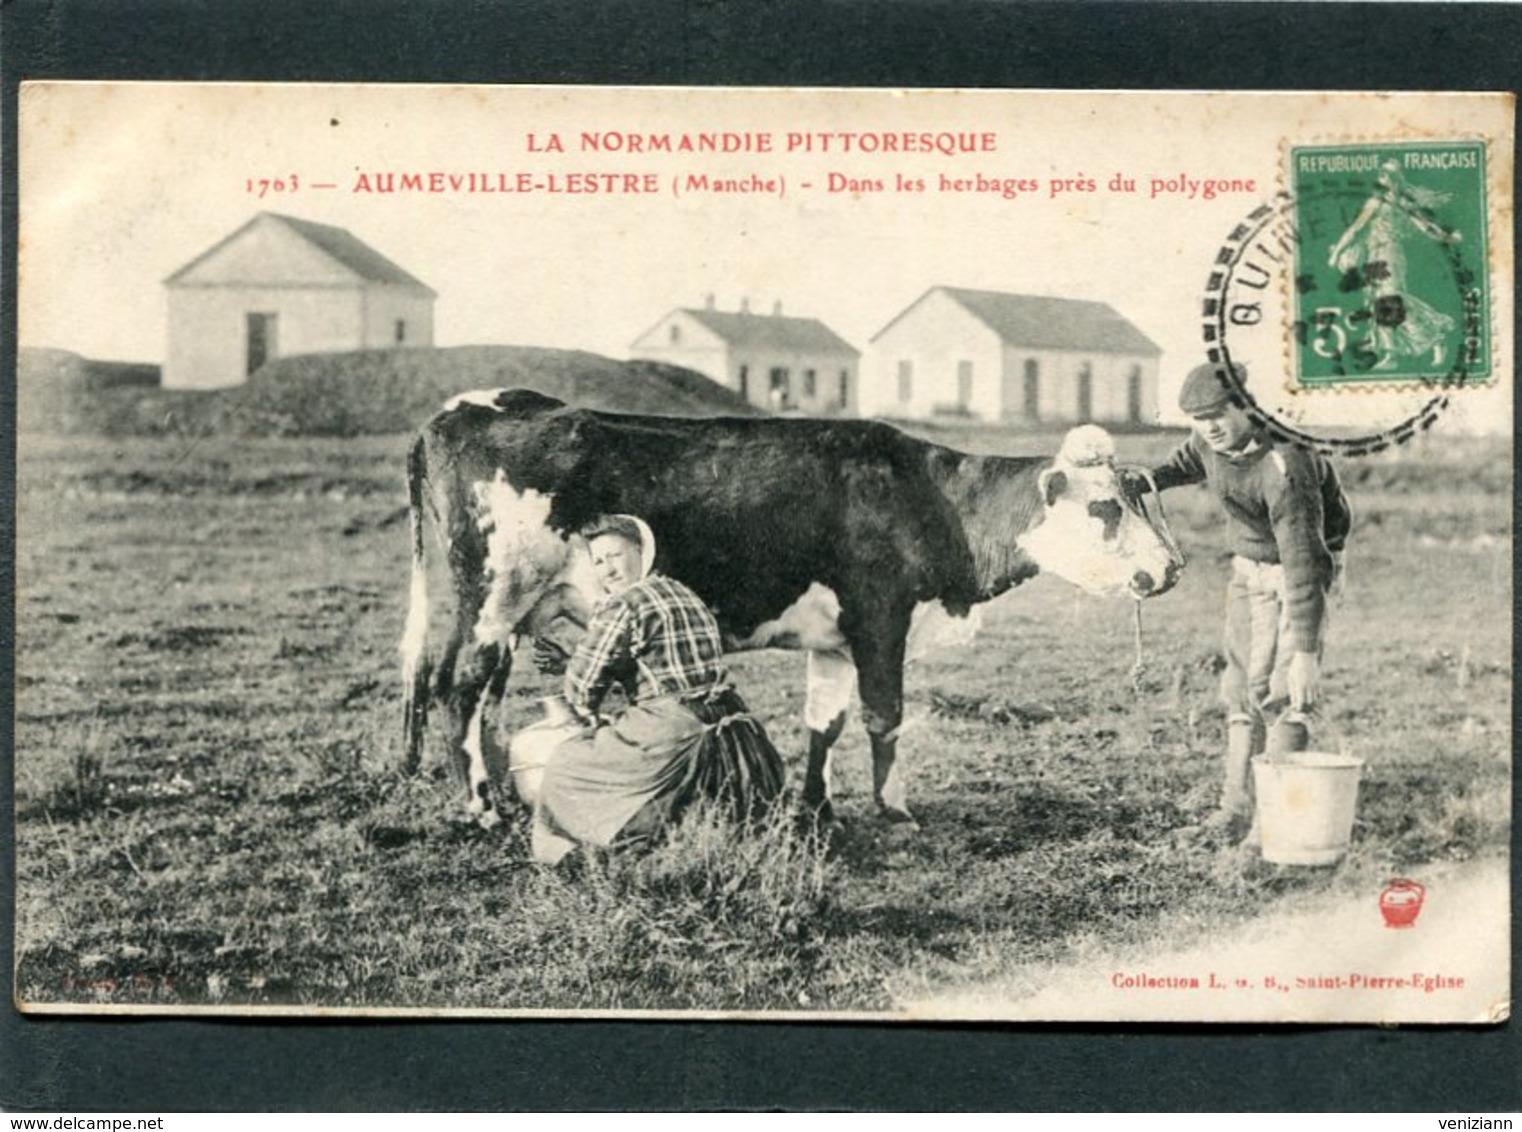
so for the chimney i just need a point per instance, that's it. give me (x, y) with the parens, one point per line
(745, 306)
(777, 309)
(708, 301)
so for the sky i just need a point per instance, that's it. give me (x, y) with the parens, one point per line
(122, 184)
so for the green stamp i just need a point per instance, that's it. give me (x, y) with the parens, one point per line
(1390, 280)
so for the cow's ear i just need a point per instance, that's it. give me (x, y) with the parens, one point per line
(1052, 484)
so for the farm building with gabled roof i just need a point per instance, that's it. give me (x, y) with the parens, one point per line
(774, 360)
(281, 285)
(993, 355)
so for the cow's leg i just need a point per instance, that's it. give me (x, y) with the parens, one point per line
(831, 684)
(471, 698)
(475, 667)
(471, 666)
(888, 780)
(877, 640)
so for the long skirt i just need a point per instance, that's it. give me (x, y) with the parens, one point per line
(619, 785)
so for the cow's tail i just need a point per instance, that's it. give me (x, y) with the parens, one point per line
(417, 672)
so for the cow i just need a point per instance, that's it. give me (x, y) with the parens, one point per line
(824, 535)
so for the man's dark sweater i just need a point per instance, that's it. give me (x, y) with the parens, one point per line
(1283, 505)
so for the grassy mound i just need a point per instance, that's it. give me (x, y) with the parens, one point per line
(395, 390)
(58, 391)
(364, 392)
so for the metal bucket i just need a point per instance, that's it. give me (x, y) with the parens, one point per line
(532, 748)
(1306, 803)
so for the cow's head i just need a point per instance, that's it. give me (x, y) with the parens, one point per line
(1091, 531)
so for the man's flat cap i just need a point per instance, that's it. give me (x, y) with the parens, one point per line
(1208, 387)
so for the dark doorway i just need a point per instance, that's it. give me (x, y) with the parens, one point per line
(262, 343)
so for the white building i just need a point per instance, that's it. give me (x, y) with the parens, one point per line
(280, 286)
(774, 361)
(995, 356)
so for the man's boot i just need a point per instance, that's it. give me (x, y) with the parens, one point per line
(1232, 819)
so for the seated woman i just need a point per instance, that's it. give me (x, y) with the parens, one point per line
(684, 734)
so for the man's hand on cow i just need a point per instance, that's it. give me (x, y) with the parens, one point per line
(1133, 483)
(549, 658)
(1302, 679)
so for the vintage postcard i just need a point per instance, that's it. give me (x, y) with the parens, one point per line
(883, 554)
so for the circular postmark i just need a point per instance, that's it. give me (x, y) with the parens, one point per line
(1352, 309)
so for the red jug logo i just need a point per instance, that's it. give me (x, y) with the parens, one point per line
(1401, 902)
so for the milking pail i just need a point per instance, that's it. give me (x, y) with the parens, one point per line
(1306, 805)
(533, 747)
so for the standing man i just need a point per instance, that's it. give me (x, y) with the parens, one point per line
(1287, 521)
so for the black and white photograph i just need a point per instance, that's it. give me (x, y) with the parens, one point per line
(789, 554)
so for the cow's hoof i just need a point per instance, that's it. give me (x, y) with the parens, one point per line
(488, 819)
(819, 809)
(820, 821)
(899, 818)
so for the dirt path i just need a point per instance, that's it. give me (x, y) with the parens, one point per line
(1332, 959)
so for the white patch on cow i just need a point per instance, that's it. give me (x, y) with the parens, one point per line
(415, 635)
(523, 556)
(812, 622)
(933, 628)
(485, 398)
(1069, 541)
(830, 687)
(477, 775)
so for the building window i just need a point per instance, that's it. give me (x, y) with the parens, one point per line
(905, 380)
(845, 389)
(810, 383)
(964, 384)
(781, 387)
(1134, 394)
(745, 382)
(400, 331)
(1085, 392)
(1032, 391)
(675, 333)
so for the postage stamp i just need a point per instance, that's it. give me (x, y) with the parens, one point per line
(1390, 277)
(809, 554)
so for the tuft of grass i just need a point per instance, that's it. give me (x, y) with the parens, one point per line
(714, 918)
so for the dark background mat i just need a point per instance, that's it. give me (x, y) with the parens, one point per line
(119, 1065)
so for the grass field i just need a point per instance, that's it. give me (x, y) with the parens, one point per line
(208, 725)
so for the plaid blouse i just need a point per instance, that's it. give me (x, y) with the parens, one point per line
(657, 638)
